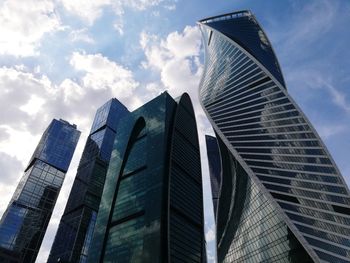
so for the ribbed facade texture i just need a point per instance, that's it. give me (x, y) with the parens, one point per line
(152, 206)
(74, 234)
(24, 223)
(282, 195)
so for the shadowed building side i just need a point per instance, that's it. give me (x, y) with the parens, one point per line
(152, 205)
(74, 234)
(214, 162)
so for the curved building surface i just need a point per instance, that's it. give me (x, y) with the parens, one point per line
(282, 197)
(152, 206)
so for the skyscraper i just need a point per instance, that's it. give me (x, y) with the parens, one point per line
(23, 225)
(214, 162)
(152, 206)
(74, 233)
(282, 196)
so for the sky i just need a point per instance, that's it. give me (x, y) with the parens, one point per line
(65, 58)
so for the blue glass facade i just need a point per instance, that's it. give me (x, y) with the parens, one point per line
(152, 205)
(263, 132)
(73, 237)
(23, 225)
(57, 145)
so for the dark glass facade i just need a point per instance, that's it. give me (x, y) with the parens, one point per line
(152, 205)
(23, 225)
(214, 162)
(271, 145)
(74, 234)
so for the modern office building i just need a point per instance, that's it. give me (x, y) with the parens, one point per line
(151, 209)
(24, 223)
(282, 197)
(214, 162)
(75, 230)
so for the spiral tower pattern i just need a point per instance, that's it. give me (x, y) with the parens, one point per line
(282, 197)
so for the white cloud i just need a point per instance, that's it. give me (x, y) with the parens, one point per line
(185, 44)
(210, 234)
(24, 23)
(330, 130)
(18, 87)
(338, 97)
(119, 26)
(81, 35)
(154, 89)
(141, 4)
(176, 58)
(171, 7)
(72, 92)
(33, 105)
(10, 166)
(157, 55)
(318, 80)
(90, 10)
(101, 74)
(177, 76)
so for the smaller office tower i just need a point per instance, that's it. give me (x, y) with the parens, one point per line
(214, 161)
(24, 223)
(74, 233)
(152, 205)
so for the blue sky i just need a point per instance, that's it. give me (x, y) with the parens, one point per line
(64, 58)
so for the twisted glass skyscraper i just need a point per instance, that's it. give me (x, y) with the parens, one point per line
(282, 197)
(24, 223)
(74, 234)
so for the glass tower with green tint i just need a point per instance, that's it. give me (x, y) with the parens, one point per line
(73, 237)
(151, 209)
(282, 197)
(24, 223)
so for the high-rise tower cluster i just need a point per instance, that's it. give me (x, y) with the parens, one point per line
(137, 196)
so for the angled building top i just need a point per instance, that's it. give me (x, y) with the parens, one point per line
(107, 114)
(57, 145)
(243, 28)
